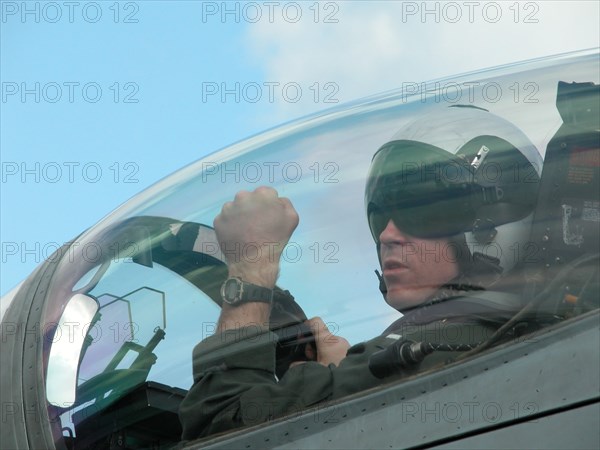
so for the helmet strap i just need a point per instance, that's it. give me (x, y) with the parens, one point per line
(482, 269)
(382, 286)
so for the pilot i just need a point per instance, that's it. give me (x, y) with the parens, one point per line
(449, 201)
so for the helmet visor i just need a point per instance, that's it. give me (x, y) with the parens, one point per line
(423, 191)
(425, 220)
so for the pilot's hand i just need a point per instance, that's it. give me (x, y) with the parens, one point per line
(331, 349)
(252, 231)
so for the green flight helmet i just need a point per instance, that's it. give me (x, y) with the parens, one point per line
(460, 173)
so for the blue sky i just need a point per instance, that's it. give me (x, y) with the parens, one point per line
(102, 99)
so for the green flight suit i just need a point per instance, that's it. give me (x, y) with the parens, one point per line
(234, 372)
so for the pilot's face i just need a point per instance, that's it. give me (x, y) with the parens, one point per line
(413, 268)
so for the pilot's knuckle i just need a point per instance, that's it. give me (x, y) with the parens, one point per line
(265, 190)
(241, 195)
(294, 215)
(317, 326)
(287, 203)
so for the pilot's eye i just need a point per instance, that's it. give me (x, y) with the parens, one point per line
(378, 220)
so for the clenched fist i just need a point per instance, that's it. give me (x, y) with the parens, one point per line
(252, 231)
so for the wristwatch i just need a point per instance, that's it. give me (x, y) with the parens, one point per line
(235, 292)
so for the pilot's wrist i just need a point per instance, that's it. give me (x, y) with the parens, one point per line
(248, 314)
(264, 275)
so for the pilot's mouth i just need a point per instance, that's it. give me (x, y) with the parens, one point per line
(393, 266)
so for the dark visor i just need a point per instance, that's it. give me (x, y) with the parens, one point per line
(423, 218)
(429, 193)
(425, 191)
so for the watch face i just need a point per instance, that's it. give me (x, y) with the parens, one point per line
(231, 291)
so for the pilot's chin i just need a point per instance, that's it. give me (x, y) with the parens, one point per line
(405, 299)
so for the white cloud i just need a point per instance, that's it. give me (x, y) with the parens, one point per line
(375, 46)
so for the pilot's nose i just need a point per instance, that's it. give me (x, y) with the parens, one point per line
(391, 234)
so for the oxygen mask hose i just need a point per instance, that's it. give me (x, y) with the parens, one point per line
(407, 354)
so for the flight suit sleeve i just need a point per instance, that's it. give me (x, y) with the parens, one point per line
(235, 383)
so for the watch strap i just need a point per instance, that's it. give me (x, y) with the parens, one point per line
(254, 293)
